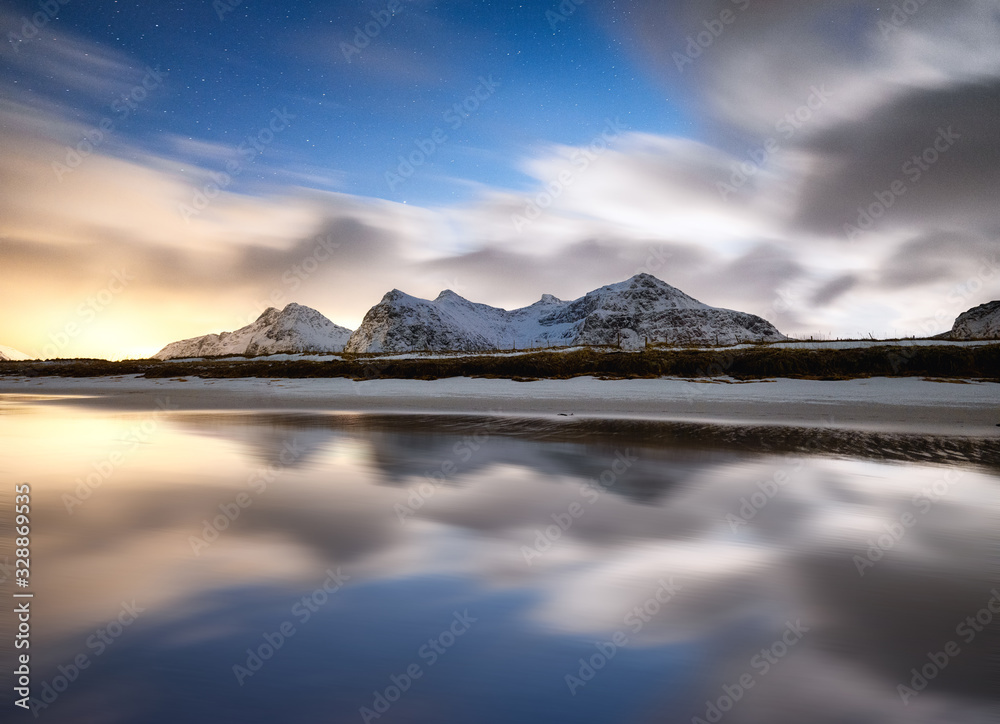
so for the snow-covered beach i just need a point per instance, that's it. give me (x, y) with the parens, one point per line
(904, 405)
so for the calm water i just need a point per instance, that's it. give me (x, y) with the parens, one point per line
(218, 567)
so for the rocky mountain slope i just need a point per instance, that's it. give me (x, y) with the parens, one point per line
(630, 313)
(294, 329)
(982, 322)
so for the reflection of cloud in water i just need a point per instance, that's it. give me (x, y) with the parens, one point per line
(410, 447)
(666, 517)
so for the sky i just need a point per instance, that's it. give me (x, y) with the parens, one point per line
(171, 169)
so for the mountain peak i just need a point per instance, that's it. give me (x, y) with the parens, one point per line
(642, 279)
(629, 314)
(295, 329)
(268, 316)
(9, 353)
(647, 286)
(982, 322)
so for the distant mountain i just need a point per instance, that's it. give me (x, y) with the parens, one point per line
(630, 312)
(295, 329)
(982, 322)
(11, 354)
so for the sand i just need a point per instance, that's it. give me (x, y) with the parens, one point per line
(905, 405)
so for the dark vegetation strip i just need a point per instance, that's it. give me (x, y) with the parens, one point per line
(952, 362)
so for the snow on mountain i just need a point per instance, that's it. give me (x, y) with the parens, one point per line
(630, 312)
(982, 322)
(11, 354)
(294, 329)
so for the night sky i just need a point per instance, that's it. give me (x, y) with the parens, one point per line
(170, 169)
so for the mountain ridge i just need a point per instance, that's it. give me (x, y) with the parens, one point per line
(9, 354)
(294, 329)
(628, 313)
(982, 322)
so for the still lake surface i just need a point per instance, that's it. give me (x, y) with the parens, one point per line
(245, 567)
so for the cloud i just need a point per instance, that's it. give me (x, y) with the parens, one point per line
(56, 67)
(750, 71)
(834, 289)
(927, 158)
(628, 201)
(895, 79)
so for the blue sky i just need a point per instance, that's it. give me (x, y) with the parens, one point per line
(356, 113)
(634, 130)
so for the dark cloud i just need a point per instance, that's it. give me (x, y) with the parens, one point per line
(777, 246)
(338, 248)
(745, 74)
(928, 158)
(748, 282)
(896, 78)
(834, 289)
(520, 278)
(939, 256)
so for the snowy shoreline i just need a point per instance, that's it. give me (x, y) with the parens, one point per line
(898, 405)
(789, 344)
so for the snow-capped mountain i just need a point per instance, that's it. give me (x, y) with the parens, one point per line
(292, 330)
(982, 322)
(11, 354)
(630, 312)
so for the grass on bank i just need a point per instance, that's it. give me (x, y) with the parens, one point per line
(943, 362)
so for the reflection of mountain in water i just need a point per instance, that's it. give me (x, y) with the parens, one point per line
(669, 516)
(448, 448)
(412, 445)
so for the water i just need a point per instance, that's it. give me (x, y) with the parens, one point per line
(217, 567)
